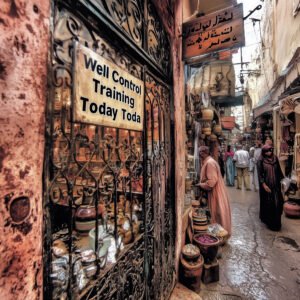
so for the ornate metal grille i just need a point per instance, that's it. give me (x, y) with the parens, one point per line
(109, 212)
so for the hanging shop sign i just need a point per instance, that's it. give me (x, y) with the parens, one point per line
(220, 30)
(104, 94)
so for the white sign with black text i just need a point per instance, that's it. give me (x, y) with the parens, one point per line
(105, 94)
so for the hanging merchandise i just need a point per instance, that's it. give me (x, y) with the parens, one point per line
(290, 104)
(297, 157)
(217, 129)
(216, 79)
(207, 114)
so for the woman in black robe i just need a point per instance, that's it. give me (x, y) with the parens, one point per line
(271, 200)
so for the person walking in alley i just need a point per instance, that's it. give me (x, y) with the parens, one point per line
(256, 157)
(229, 166)
(221, 162)
(212, 182)
(241, 159)
(271, 200)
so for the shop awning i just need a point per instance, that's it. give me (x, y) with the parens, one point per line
(262, 109)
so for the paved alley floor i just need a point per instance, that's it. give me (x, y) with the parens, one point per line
(257, 263)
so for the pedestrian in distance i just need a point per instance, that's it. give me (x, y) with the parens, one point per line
(229, 166)
(256, 157)
(221, 162)
(271, 200)
(212, 182)
(241, 159)
(251, 162)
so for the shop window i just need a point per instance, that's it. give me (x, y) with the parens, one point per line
(109, 207)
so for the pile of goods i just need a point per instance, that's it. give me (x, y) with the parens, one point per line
(200, 223)
(218, 231)
(199, 260)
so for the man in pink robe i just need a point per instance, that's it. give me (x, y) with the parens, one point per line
(211, 181)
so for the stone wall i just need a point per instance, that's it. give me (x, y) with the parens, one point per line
(24, 40)
(280, 32)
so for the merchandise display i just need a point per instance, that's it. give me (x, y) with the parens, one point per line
(103, 197)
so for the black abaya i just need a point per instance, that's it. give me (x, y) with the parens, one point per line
(271, 204)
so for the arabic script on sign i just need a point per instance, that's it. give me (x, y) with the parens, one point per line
(221, 30)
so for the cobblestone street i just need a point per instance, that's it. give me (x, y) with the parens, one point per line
(257, 263)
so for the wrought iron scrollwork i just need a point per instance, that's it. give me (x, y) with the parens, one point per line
(91, 166)
(159, 219)
(129, 16)
(157, 40)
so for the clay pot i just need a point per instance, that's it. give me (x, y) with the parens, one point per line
(206, 130)
(85, 217)
(192, 269)
(207, 114)
(213, 138)
(208, 249)
(191, 273)
(217, 129)
(291, 209)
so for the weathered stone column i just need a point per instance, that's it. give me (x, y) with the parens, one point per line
(24, 40)
(179, 115)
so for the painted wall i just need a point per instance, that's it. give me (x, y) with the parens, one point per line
(280, 31)
(24, 28)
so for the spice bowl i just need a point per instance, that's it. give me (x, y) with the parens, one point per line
(208, 245)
